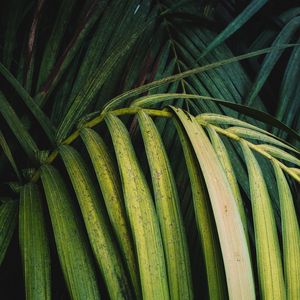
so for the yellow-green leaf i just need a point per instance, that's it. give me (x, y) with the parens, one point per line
(268, 255)
(253, 134)
(72, 245)
(168, 210)
(142, 215)
(290, 236)
(279, 153)
(112, 194)
(99, 233)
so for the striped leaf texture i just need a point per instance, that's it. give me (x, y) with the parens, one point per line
(75, 254)
(8, 218)
(95, 220)
(168, 208)
(142, 215)
(111, 189)
(149, 149)
(34, 244)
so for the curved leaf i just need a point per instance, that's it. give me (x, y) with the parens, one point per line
(270, 273)
(8, 218)
(142, 215)
(290, 235)
(72, 245)
(8, 154)
(229, 225)
(17, 127)
(279, 153)
(96, 224)
(205, 223)
(233, 26)
(227, 166)
(113, 198)
(34, 244)
(39, 115)
(168, 210)
(115, 102)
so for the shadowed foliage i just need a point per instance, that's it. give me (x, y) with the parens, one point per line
(149, 149)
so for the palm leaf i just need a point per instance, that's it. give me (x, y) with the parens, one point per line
(291, 236)
(269, 266)
(205, 223)
(72, 246)
(225, 212)
(96, 224)
(207, 208)
(17, 127)
(112, 194)
(168, 210)
(142, 215)
(8, 218)
(34, 244)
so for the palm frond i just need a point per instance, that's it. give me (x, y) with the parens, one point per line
(150, 149)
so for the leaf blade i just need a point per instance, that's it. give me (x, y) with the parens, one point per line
(8, 220)
(96, 224)
(266, 240)
(72, 246)
(290, 234)
(169, 214)
(112, 193)
(234, 245)
(34, 244)
(142, 215)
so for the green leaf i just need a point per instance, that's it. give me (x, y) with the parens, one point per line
(288, 85)
(270, 273)
(115, 102)
(236, 24)
(88, 20)
(221, 119)
(105, 250)
(53, 45)
(34, 244)
(72, 245)
(255, 114)
(271, 59)
(95, 82)
(279, 153)
(5, 147)
(290, 236)
(168, 210)
(228, 220)
(216, 119)
(17, 127)
(42, 119)
(157, 98)
(252, 134)
(112, 194)
(8, 220)
(142, 215)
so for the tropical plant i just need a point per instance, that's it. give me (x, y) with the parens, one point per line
(150, 149)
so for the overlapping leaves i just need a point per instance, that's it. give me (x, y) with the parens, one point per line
(136, 200)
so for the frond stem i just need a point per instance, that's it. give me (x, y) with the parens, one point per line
(96, 121)
(252, 146)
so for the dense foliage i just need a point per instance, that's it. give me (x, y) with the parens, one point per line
(149, 149)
